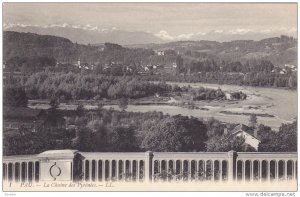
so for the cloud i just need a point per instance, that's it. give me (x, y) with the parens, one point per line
(163, 34)
(240, 31)
(184, 36)
(218, 31)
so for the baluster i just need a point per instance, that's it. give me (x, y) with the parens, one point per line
(110, 170)
(243, 171)
(20, 172)
(236, 170)
(189, 170)
(117, 170)
(153, 162)
(167, 169)
(204, 169)
(277, 170)
(182, 169)
(285, 170)
(131, 169)
(294, 170)
(268, 171)
(220, 170)
(175, 169)
(83, 170)
(197, 169)
(26, 172)
(212, 178)
(33, 171)
(90, 169)
(260, 170)
(6, 172)
(124, 170)
(103, 170)
(96, 170)
(251, 170)
(137, 170)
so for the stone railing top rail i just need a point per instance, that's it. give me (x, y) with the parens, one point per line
(267, 155)
(20, 158)
(68, 154)
(113, 155)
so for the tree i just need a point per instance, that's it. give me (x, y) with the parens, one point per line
(80, 109)
(225, 143)
(214, 127)
(179, 63)
(15, 97)
(83, 140)
(54, 103)
(122, 139)
(123, 102)
(285, 140)
(177, 133)
(252, 120)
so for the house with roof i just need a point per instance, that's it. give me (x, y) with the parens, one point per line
(248, 133)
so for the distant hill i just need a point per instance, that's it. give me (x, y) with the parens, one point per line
(279, 50)
(84, 36)
(23, 45)
(17, 44)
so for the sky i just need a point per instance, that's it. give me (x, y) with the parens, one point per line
(161, 19)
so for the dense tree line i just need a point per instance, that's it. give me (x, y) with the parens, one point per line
(76, 86)
(249, 79)
(28, 65)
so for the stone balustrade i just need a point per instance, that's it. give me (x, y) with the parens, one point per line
(71, 165)
(25, 168)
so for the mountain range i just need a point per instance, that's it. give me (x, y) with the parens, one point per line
(94, 35)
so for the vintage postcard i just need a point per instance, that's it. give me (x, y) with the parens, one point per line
(150, 97)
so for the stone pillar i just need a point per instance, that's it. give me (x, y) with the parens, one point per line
(148, 166)
(56, 165)
(232, 155)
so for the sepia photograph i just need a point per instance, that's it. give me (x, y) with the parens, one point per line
(158, 96)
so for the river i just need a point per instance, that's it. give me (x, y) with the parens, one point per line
(279, 103)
